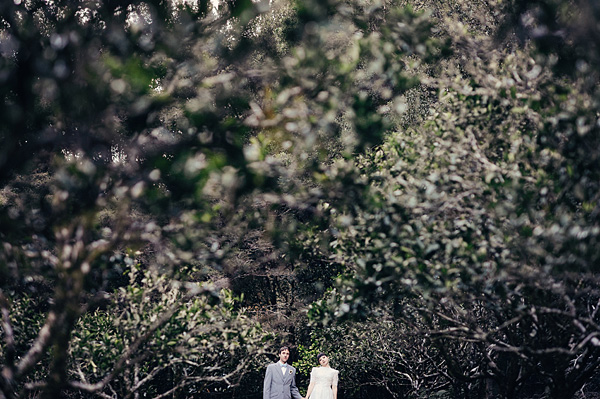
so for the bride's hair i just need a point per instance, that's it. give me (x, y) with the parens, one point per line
(319, 356)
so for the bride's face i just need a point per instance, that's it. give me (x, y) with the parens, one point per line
(323, 361)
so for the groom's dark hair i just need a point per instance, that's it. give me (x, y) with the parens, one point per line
(284, 348)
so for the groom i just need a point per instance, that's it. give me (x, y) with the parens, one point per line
(280, 379)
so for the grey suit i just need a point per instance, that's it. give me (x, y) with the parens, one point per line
(279, 385)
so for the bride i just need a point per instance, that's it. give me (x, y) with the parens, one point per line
(323, 380)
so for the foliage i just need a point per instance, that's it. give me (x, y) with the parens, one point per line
(382, 356)
(136, 132)
(474, 227)
(203, 346)
(150, 122)
(436, 163)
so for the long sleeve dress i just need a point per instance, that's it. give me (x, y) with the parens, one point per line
(324, 379)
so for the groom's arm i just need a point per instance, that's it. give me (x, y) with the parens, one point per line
(267, 384)
(294, 389)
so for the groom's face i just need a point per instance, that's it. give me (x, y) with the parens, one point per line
(284, 355)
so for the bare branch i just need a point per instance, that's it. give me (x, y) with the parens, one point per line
(40, 345)
(88, 388)
(127, 358)
(35, 386)
(193, 380)
(9, 337)
(138, 384)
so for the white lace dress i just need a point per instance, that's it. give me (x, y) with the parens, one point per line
(324, 378)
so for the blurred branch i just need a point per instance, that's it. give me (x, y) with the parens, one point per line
(40, 345)
(9, 337)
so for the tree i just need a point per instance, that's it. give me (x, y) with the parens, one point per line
(440, 166)
(476, 227)
(91, 95)
(145, 132)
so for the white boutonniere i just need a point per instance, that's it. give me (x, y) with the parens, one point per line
(291, 371)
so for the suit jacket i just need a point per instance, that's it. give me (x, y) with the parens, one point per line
(278, 385)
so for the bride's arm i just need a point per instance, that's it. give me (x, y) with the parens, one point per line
(310, 388)
(334, 383)
(311, 385)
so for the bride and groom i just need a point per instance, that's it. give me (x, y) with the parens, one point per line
(280, 379)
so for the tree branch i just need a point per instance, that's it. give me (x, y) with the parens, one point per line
(126, 358)
(40, 345)
(9, 337)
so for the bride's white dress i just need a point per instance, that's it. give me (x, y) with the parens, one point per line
(324, 378)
